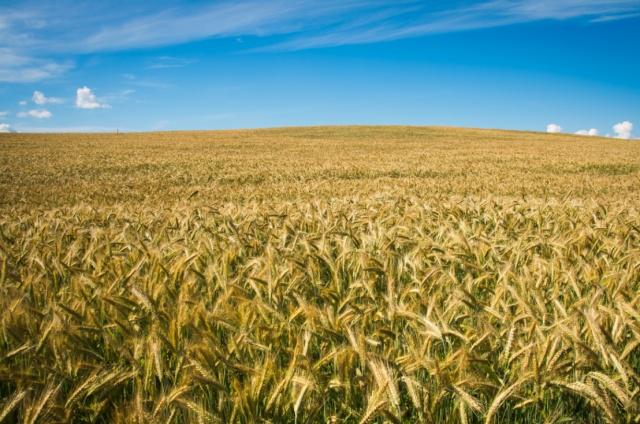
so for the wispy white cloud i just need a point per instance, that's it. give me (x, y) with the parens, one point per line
(37, 38)
(328, 23)
(479, 15)
(611, 18)
(40, 99)
(554, 128)
(85, 99)
(4, 113)
(134, 80)
(164, 62)
(116, 97)
(623, 130)
(174, 25)
(97, 27)
(35, 113)
(21, 68)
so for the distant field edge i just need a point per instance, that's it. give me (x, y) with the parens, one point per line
(296, 128)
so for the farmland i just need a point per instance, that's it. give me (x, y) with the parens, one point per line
(325, 274)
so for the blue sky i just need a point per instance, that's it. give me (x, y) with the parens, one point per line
(557, 65)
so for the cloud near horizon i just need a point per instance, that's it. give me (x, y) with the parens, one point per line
(5, 128)
(623, 130)
(554, 128)
(593, 132)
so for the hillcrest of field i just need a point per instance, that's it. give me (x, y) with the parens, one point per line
(316, 163)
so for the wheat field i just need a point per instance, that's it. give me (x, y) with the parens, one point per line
(327, 274)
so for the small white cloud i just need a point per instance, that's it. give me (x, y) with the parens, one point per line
(593, 132)
(6, 128)
(40, 99)
(36, 113)
(85, 99)
(4, 113)
(22, 102)
(623, 130)
(554, 128)
(163, 62)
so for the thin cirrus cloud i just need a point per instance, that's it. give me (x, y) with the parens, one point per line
(232, 18)
(315, 24)
(35, 36)
(611, 18)
(479, 15)
(35, 113)
(18, 67)
(167, 62)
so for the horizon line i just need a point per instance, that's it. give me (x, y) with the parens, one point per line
(293, 127)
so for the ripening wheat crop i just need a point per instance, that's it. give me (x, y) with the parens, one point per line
(357, 274)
